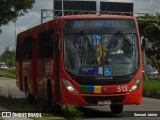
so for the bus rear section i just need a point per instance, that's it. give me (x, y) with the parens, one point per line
(100, 61)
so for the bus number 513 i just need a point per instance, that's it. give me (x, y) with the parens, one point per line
(122, 89)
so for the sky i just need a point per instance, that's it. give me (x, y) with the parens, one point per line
(33, 18)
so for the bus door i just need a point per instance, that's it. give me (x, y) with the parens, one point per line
(19, 64)
(34, 64)
(57, 67)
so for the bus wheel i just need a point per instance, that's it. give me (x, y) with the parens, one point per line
(29, 97)
(50, 101)
(116, 109)
(52, 106)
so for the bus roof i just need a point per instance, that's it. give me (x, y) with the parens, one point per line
(97, 16)
(85, 16)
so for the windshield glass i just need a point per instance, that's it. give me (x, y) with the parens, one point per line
(110, 54)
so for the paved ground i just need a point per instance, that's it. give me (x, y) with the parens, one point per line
(3, 109)
(8, 87)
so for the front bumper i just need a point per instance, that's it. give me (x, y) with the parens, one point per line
(92, 99)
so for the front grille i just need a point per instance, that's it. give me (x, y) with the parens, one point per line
(95, 99)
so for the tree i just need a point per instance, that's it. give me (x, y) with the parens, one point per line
(8, 57)
(10, 10)
(151, 30)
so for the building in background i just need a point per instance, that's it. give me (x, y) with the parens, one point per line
(92, 5)
(9, 48)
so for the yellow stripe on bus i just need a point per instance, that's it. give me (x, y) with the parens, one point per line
(97, 89)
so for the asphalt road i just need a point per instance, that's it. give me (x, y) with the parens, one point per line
(8, 87)
(149, 105)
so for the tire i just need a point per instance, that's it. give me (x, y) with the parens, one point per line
(51, 106)
(116, 109)
(49, 101)
(29, 97)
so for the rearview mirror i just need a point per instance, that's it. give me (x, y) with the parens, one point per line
(145, 43)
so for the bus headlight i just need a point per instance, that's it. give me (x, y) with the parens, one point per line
(70, 87)
(136, 85)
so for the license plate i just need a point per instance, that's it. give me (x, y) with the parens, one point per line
(104, 102)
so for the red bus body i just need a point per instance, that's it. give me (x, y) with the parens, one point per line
(35, 73)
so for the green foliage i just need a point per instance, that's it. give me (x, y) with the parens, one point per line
(71, 112)
(151, 30)
(145, 77)
(8, 57)
(11, 9)
(151, 87)
(9, 73)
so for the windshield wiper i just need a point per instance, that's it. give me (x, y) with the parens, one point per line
(124, 36)
(86, 38)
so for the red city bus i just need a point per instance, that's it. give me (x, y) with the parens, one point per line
(82, 60)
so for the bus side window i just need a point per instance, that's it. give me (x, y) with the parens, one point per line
(57, 44)
(50, 43)
(27, 48)
(45, 44)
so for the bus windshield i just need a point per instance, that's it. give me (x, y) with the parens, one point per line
(101, 53)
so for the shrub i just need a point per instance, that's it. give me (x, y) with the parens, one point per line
(9, 73)
(71, 112)
(151, 87)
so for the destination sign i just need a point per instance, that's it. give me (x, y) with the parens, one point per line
(110, 24)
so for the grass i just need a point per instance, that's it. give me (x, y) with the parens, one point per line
(72, 113)
(22, 106)
(69, 112)
(9, 73)
(151, 87)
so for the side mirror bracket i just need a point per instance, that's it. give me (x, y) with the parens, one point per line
(145, 44)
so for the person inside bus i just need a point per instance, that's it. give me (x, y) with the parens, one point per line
(72, 59)
(85, 52)
(115, 46)
(99, 50)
